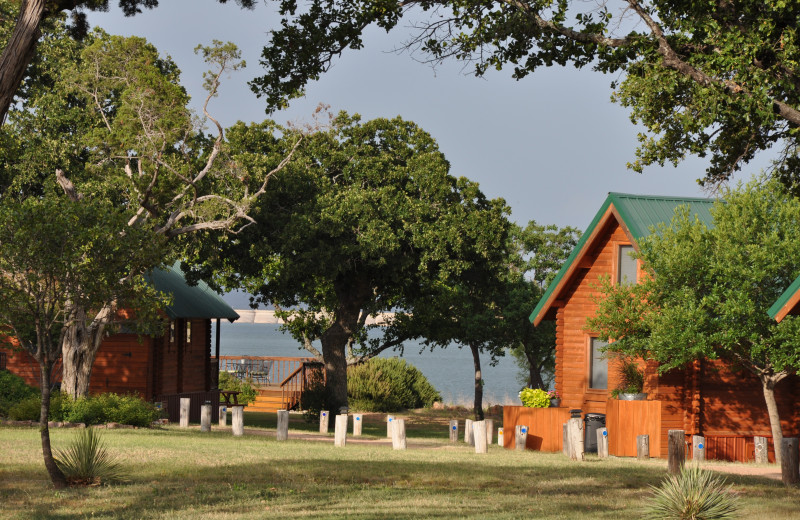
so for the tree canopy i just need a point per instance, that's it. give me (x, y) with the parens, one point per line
(708, 290)
(365, 220)
(705, 78)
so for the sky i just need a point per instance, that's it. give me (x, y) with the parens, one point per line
(552, 145)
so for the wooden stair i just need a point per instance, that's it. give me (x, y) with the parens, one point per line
(269, 399)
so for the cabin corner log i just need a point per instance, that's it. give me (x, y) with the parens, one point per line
(676, 454)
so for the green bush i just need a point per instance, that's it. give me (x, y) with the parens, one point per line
(247, 392)
(13, 390)
(86, 462)
(27, 409)
(131, 409)
(98, 409)
(534, 398)
(388, 385)
(694, 494)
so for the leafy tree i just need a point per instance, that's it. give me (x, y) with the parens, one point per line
(708, 78)
(365, 220)
(106, 118)
(20, 39)
(540, 252)
(58, 258)
(707, 291)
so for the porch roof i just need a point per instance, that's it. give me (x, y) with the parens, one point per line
(787, 301)
(638, 215)
(198, 301)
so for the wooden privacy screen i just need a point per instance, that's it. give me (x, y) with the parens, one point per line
(545, 426)
(625, 420)
(734, 448)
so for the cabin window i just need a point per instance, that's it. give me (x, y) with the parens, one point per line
(598, 365)
(626, 266)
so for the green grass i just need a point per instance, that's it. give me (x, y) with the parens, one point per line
(183, 474)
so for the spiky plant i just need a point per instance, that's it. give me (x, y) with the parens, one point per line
(694, 494)
(86, 462)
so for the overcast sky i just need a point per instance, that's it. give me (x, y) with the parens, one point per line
(552, 145)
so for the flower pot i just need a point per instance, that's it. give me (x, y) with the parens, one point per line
(632, 397)
(555, 402)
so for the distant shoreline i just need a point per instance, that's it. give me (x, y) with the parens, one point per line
(268, 316)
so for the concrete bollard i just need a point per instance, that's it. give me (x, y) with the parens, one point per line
(469, 434)
(489, 431)
(520, 437)
(698, 448)
(357, 424)
(790, 461)
(185, 402)
(223, 415)
(676, 451)
(237, 420)
(453, 431)
(643, 447)
(205, 417)
(340, 431)
(500, 438)
(480, 436)
(399, 434)
(602, 443)
(389, 425)
(324, 417)
(564, 440)
(575, 436)
(282, 432)
(761, 450)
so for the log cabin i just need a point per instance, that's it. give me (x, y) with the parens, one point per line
(707, 398)
(179, 362)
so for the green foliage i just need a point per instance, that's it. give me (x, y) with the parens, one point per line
(534, 397)
(315, 398)
(247, 392)
(98, 409)
(389, 385)
(87, 462)
(694, 494)
(13, 390)
(631, 378)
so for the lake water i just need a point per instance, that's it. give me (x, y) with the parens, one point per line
(450, 370)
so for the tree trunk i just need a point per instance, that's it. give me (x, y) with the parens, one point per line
(56, 476)
(19, 51)
(476, 361)
(333, 355)
(79, 349)
(534, 375)
(768, 386)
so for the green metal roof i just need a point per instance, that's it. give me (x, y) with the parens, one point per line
(787, 297)
(188, 301)
(640, 214)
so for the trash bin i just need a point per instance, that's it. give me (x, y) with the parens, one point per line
(592, 423)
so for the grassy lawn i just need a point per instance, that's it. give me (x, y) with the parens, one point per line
(183, 474)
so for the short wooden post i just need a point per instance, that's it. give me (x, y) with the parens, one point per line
(185, 402)
(489, 431)
(454, 430)
(340, 431)
(357, 424)
(223, 415)
(469, 434)
(324, 417)
(389, 425)
(676, 451)
(565, 440)
(575, 434)
(602, 443)
(500, 437)
(520, 437)
(205, 417)
(698, 448)
(790, 461)
(643, 447)
(237, 420)
(480, 435)
(283, 425)
(399, 434)
(762, 450)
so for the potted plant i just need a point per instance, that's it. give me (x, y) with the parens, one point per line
(534, 398)
(555, 399)
(631, 383)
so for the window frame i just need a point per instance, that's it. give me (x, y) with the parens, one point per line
(590, 364)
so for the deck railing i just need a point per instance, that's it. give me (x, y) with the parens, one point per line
(262, 370)
(293, 386)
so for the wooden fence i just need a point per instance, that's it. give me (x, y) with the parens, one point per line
(626, 420)
(262, 370)
(545, 426)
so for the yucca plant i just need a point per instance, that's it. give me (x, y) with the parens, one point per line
(694, 494)
(86, 462)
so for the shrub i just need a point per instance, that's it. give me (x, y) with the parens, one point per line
(88, 410)
(27, 409)
(86, 461)
(12, 391)
(388, 385)
(534, 397)
(694, 494)
(247, 392)
(131, 409)
(631, 379)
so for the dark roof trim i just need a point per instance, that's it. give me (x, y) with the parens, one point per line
(787, 301)
(198, 301)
